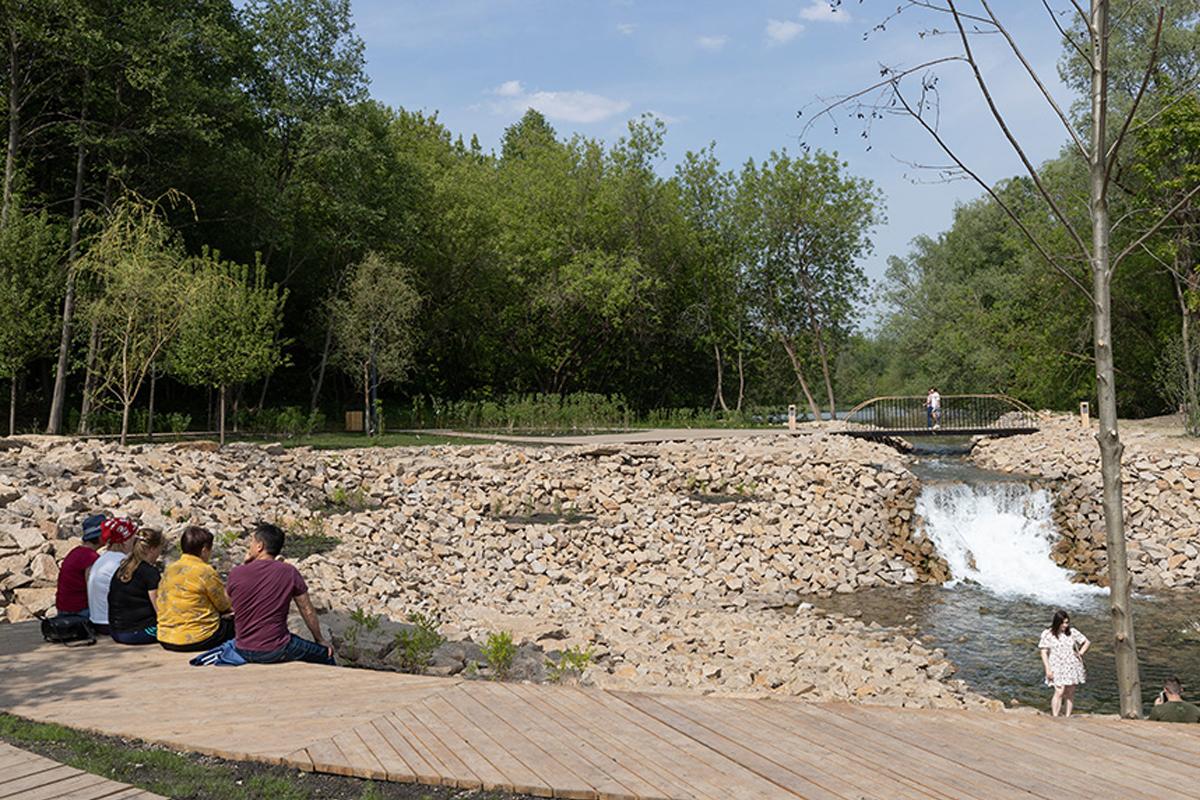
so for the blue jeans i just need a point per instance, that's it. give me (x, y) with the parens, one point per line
(297, 649)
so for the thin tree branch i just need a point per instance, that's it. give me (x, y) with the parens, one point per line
(1111, 158)
(1036, 79)
(996, 197)
(874, 87)
(1153, 229)
(1066, 36)
(1033, 173)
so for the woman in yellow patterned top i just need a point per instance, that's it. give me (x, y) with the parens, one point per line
(192, 599)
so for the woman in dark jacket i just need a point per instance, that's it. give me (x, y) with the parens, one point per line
(133, 594)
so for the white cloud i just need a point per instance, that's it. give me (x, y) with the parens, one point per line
(626, 28)
(712, 43)
(569, 106)
(822, 11)
(780, 31)
(575, 106)
(508, 89)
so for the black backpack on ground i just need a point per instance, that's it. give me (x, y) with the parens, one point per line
(68, 629)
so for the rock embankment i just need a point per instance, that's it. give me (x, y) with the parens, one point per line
(1161, 486)
(671, 562)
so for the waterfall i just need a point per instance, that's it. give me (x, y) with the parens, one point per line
(998, 535)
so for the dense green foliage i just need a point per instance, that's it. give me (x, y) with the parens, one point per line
(553, 268)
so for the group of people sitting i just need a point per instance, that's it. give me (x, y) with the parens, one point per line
(187, 608)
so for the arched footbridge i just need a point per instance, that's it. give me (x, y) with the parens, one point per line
(958, 415)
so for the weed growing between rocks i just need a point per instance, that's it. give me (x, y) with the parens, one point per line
(415, 646)
(571, 664)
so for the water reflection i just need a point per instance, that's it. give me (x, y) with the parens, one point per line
(993, 639)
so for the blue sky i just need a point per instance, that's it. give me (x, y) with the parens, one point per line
(731, 72)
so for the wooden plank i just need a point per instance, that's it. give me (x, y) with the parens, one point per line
(362, 761)
(65, 788)
(604, 773)
(465, 768)
(788, 781)
(102, 789)
(655, 762)
(991, 747)
(941, 775)
(711, 770)
(31, 781)
(790, 750)
(1144, 768)
(515, 775)
(395, 768)
(328, 757)
(476, 703)
(401, 744)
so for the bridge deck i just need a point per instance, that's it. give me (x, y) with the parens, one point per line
(27, 775)
(588, 743)
(908, 433)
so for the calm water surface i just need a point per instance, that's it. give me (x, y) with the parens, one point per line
(993, 640)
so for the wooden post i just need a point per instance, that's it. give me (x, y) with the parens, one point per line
(1084, 414)
(792, 417)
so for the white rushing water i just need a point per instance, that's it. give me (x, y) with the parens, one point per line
(998, 535)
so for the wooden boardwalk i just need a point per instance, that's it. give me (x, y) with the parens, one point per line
(588, 743)
(25, 776)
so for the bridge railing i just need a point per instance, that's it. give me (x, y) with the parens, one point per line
(958, 412)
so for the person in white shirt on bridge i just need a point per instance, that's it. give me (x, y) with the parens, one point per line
(933, 409)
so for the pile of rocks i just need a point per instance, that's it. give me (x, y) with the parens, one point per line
(1161, 486)
(671, 562)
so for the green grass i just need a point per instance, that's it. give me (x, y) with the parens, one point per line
(348, 441)
(195, 777)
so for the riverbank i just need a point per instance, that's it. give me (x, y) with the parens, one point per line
(1161, 484)
(668, 561)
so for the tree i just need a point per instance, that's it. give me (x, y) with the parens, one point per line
(808, 224)
(1099, 151)
(374, 325)
(230, 331)
(144, 291)
(29, 248)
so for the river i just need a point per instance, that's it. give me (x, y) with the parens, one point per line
(995, 531)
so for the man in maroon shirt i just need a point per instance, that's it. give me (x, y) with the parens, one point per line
(71, 597)
(261, 590)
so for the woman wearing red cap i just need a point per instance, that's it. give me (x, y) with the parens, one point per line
(117, 534)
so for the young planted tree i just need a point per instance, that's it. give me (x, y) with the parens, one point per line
(143, 292)
(807, 224)
(230, 330)
(374, 328)
(1099, 146)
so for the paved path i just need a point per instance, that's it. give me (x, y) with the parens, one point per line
(588, 743)
(653, 436)
(25, 776)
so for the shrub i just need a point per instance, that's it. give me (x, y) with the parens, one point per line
(573, 662)
(500, 651)
(415, 648)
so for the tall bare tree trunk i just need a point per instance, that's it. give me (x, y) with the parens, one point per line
(59, 399)
(825, 371)
(12, 407)
(125, 407)
(221, 417)
(316, 395)
(1129, 684)
(150, 414)
(14, 129)
(719, 395)
(741, 381)
(89, 379)
(790, 349)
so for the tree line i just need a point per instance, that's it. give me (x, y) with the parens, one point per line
(211, 188)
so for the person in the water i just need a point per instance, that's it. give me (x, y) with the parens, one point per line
(1062, 652)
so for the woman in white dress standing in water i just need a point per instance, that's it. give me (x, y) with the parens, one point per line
(1062, 652)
